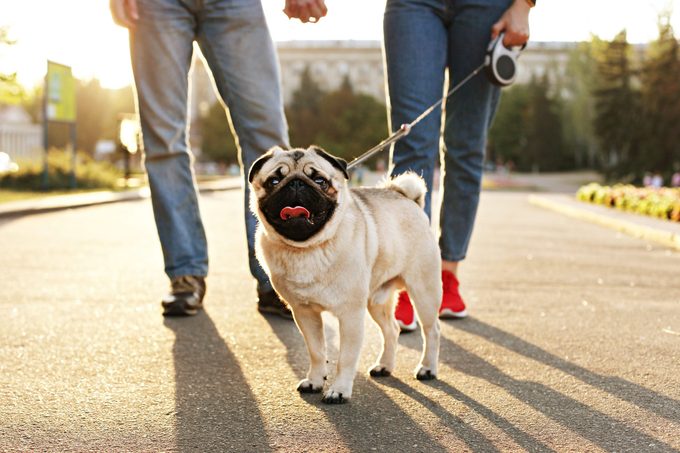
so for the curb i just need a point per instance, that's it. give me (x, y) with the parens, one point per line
(57, 203)
(655, 234)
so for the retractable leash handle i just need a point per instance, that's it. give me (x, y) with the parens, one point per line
(501, 62)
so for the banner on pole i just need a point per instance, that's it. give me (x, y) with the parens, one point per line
(61, 93)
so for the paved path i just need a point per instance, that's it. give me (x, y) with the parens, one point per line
(573, 344)
(52, 203)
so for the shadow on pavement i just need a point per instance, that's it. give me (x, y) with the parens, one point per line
(414, 341)
(475, 440)
(642, 397)
(214, 407)
(7, 220)
(470, 435)
(601, 429)
(289, 335)
(371, 421)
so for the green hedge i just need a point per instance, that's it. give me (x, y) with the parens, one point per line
(663, 203)
(90, 174)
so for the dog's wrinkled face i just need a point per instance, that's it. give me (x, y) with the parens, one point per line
(297, 191)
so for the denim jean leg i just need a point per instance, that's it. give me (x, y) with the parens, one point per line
(161, 49)
(236, 43)
(415, 56)
(468, 116)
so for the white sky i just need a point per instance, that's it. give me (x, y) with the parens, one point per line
(95, 47)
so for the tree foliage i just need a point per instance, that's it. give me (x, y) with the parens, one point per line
(342, 121)
(217, 142)
(98, 111)
(527, 130)
(508, 135)
(545, 141)
(578, 104)
(617, 105)
(660, 97)
(304, 111)
(11, 92)
(638, 107)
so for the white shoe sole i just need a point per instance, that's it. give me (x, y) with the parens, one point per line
(408, 327)
(448, 314)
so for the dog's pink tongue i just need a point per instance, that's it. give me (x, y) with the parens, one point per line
(298, 211)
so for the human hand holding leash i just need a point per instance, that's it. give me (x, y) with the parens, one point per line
(515, 23)
(305, 10)
(124, 12)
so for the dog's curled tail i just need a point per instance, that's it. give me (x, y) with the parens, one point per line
(410, 185)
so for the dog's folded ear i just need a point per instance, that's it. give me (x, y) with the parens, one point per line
(337, 162)
(257, 165)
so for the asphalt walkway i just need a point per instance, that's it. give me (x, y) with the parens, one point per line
(573, 344)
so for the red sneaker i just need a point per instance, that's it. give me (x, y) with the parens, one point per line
(405, 314)
(452, 304)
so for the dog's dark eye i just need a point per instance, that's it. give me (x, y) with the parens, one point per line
(273, 181)
(321, 181)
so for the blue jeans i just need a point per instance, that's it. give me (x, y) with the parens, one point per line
(234, 38)
(423, 38)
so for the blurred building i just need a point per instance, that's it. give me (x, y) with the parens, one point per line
(329, 62)
(362, 61)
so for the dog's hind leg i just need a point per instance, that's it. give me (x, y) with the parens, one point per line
(382, 313)
(310, 324)
(426, 297)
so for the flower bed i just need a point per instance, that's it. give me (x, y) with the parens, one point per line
(663, 203)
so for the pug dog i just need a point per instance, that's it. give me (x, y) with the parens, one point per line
(327, 247)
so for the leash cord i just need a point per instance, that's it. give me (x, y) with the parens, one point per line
(404, 129)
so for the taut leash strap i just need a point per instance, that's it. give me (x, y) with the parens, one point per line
(404, 129)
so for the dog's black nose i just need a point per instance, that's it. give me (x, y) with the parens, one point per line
(296, 185)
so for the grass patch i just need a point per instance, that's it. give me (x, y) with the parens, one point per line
(90, 174)
(8, 195)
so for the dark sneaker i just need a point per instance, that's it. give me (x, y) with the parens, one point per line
(270, 302)
(186, 296)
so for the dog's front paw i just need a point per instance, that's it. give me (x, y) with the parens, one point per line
(307, 386)
(333, 397)
(425, 374)
(379, 371)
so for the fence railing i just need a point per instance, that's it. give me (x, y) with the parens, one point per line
(23, 142)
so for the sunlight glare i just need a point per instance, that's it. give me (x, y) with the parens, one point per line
(81, 33)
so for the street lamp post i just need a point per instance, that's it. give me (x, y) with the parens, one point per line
(129, 133)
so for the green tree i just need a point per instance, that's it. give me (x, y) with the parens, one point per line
(217, 143)
(545, 143)
(304, 111)
(93, 108)
(119, 101)
(98, 111)
(661, 102)
(528, 129)
(351, 122)
(578, 84)
(617, 106)
(11, 91)
(342, 121)
(508, 135)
